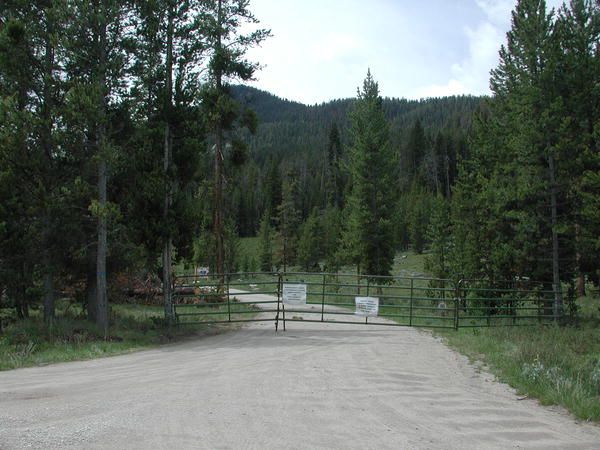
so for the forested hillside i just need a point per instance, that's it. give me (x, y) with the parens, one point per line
(293, 141)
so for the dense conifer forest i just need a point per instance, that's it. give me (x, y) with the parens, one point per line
(299, 141)
(129, 144)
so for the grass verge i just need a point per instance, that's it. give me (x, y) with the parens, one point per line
(133, 327)
(559, 365)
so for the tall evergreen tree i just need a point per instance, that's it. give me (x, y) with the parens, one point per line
(331, 226)
(288, 221)
(439, 235)
(576, 74)
(32, 88)
(266, 244)
(227, 46)
(96, 65)
(334, 185)
(372, 197)
(413, 154)
(166, 71)
(310, 250)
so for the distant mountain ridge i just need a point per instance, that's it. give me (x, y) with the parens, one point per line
(290, 130)
(434, 112)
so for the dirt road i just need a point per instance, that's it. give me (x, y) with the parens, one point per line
(314, 386)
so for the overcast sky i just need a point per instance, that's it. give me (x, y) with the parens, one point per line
(321, 49)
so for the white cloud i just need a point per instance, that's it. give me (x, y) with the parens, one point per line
(497, 11)
(336, 46)
(484, 42)
(322, 49)
(453, 87)
(471, 75)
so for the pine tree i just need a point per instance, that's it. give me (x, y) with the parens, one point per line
(288, 220)
(30, 88)
(96, 66)
(439, 235)
(266, 246)
(232, 247)
(331, 226)
(334, 185)
(577, 74)
(169, 49)
(309, 245)
(227, 47)
(413, 155)
(418, 217)
(369, 233)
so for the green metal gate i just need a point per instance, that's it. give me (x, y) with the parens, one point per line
(331, 298)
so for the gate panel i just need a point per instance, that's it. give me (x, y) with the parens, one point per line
(240, 298)
(426, 302)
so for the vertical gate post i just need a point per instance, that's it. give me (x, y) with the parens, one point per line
(457, 304)
(281, 295)
(368, 283)
(172, 316)
(323, 299)
(228, 300)
(539, 304)
(514, 303)
(278, 301)
(410, 307)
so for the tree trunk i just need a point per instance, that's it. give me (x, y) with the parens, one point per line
(16, 294)
(20, 294)
(101, 294)
(91, 291)
(48, 283)
(48, 277)
(218, 207)
(580, 283)
(168, 244)
(558, 300)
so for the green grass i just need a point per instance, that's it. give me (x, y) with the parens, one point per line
(235, 311)
(559, 365)
(250, 247)
(408, 264)
(133, 327)
(248, 257)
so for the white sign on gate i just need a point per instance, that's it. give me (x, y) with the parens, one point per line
(367, 306)
(294, 294)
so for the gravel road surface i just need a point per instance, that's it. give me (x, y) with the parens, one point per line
(315, 386)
